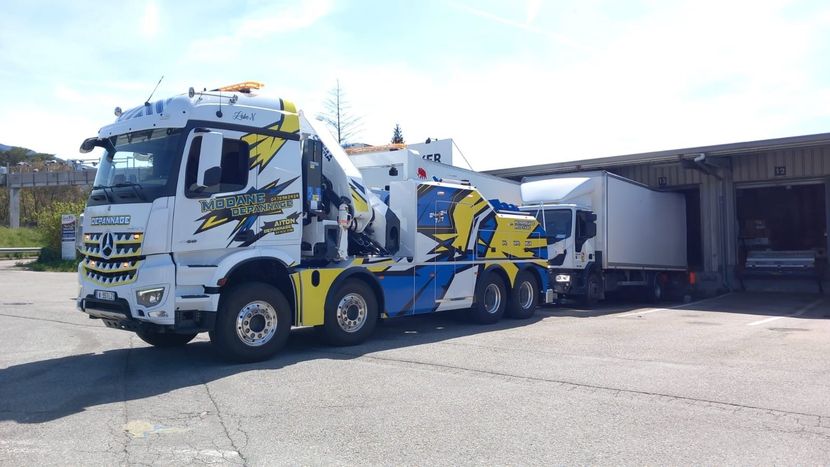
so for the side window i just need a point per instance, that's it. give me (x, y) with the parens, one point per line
(235, 155)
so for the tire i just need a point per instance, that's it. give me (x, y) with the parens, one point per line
(524, 297)
(351, 314)
(654, 290)
(593, 291)
(490, 300)
(253, 322)
(164, 339)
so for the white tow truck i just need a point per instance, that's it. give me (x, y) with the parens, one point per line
(231, 213)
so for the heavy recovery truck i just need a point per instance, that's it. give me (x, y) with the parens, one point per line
(231, 213)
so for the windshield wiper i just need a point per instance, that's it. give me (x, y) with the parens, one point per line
(104, 188)
(137, 188)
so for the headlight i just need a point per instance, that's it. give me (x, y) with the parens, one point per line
(563, 278)
(149, 297)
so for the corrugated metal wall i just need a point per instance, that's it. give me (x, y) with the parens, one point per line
(717, 196)
(795, 163)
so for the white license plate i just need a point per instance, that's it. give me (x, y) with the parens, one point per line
(105, 295)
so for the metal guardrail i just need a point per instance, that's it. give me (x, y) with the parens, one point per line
(20, 251)
(36, 179)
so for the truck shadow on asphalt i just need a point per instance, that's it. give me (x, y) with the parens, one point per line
(46, 390)
(41, 391)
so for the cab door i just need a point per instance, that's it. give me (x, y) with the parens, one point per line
(217, 216)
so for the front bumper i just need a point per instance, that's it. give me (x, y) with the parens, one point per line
(124, 312)
(575, 285)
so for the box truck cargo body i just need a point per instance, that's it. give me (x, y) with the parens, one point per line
(606, 232)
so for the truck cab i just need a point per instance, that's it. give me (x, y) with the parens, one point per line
(570, 231)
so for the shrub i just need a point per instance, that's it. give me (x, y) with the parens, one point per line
(49, 226)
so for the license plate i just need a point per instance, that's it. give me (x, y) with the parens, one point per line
(105, 295)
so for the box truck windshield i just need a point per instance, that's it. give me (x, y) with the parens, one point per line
(558, 222)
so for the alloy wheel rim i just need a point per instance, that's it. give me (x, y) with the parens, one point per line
(352, 312)
(256, 323)
(525, 295)
(492, 298)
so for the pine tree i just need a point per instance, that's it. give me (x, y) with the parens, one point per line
(397, 135)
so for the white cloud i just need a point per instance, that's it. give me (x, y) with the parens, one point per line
(257, 25)
(149, 25)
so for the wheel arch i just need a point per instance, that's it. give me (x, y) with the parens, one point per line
(363, 275)
(498, 271)
(266, 269)
(535, 273)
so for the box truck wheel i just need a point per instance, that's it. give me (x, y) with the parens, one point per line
(490, 300)
(351, 313)
(524, 297)
(654, 289)
(593, 291)
(253, 322)
(159, 339)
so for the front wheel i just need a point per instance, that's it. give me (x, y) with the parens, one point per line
(253, 322)
(524, 297)
(164, 339)
(490, 300)
(593, 291)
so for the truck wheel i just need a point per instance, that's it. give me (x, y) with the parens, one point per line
(164, 339)
(490, 300)
(593, 291)
(351, 314)
(524, 297)
(654, 289)
(253, 322)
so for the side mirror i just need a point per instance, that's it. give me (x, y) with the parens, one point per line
(88, 145)
(210, 160)
(591, 229)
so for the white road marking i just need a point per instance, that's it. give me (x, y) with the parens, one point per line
(652, 310)
(800, 312)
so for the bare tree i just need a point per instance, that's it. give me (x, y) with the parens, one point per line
(339, 117)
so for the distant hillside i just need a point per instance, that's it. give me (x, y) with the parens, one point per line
(3, 147)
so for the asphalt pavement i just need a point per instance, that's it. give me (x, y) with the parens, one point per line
(738, 379)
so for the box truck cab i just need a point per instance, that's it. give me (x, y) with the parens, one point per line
(605, 233)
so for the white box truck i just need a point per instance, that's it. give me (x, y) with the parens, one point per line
(606, 232)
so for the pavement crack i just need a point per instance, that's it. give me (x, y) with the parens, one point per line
(125, 370)
(52, 321)
(731, 406)
(224, 424)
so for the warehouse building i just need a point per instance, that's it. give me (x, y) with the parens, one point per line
(758, 212)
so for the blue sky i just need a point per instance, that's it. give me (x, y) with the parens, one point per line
(514, 83)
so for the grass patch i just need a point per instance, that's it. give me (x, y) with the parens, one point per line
(53, 265)
(24, 236)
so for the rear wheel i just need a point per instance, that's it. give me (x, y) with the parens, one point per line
(164, 339)
(524, 297)
(351, 314)
(490, 300)
(253, 322)
(654, 289)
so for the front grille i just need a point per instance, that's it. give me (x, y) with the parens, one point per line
(119, 264)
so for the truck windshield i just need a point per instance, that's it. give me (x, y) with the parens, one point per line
(142, 158)
(557, 222)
